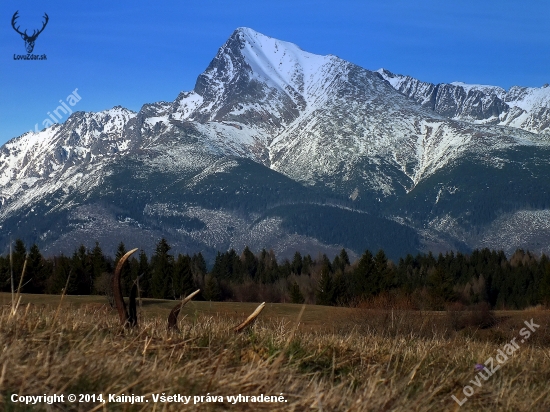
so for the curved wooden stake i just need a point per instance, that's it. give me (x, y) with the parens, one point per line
(173, 316)
(251, 318)
(117, 291)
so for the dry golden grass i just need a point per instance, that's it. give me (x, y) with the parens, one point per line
(343, 360)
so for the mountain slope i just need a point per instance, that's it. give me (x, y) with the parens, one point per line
(279, 148)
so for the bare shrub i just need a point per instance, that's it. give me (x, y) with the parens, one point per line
(455, 313)
(273, 293)
(246, 292)
(478, 316)
(103, 285)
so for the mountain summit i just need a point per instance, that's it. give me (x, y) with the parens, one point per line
(279, 148)
(526, 108)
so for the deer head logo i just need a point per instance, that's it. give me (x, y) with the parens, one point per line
(29, 40)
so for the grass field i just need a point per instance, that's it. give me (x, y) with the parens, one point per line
(335, 359)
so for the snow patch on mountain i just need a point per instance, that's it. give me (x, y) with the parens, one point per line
(529, 228)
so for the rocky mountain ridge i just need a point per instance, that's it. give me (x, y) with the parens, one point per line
(526, 108)
(269, 133)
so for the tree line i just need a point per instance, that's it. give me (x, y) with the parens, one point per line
(422, 281)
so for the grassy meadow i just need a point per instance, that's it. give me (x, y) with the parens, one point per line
(319, 358)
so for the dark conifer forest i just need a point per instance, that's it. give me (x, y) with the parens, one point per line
(423, 281)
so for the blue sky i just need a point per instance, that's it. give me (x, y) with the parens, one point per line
(134, 52)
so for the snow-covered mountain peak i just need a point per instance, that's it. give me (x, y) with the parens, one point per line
(283, 63)
(529, 98)
(487, 89)
(86, 128)
(526, 108)
(259, 85)
(249, 57)
(81, 139)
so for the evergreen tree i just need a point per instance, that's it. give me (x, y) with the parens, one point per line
(297, 264)
(221, 268)
(162, 268)
(325, 289)
(440, 288)
(340, 289)
(18, 260)
(36, 274)
(324, 261)
(212, 290)
(228, 266)
(340, 262)
(183, 277)
(307, 263)
(198, 265)
(296, 295)
(249, 263)
(406, 273)
(61, 270)
(285, 269)
(5, 277)
(98, 262)
(268, 269)
(364, 281)
(120, 251)
(144, 274)
(385, 275)
(82, 273)
(336, 265)
(344, 258)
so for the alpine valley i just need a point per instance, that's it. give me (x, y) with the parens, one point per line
(282, 149)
